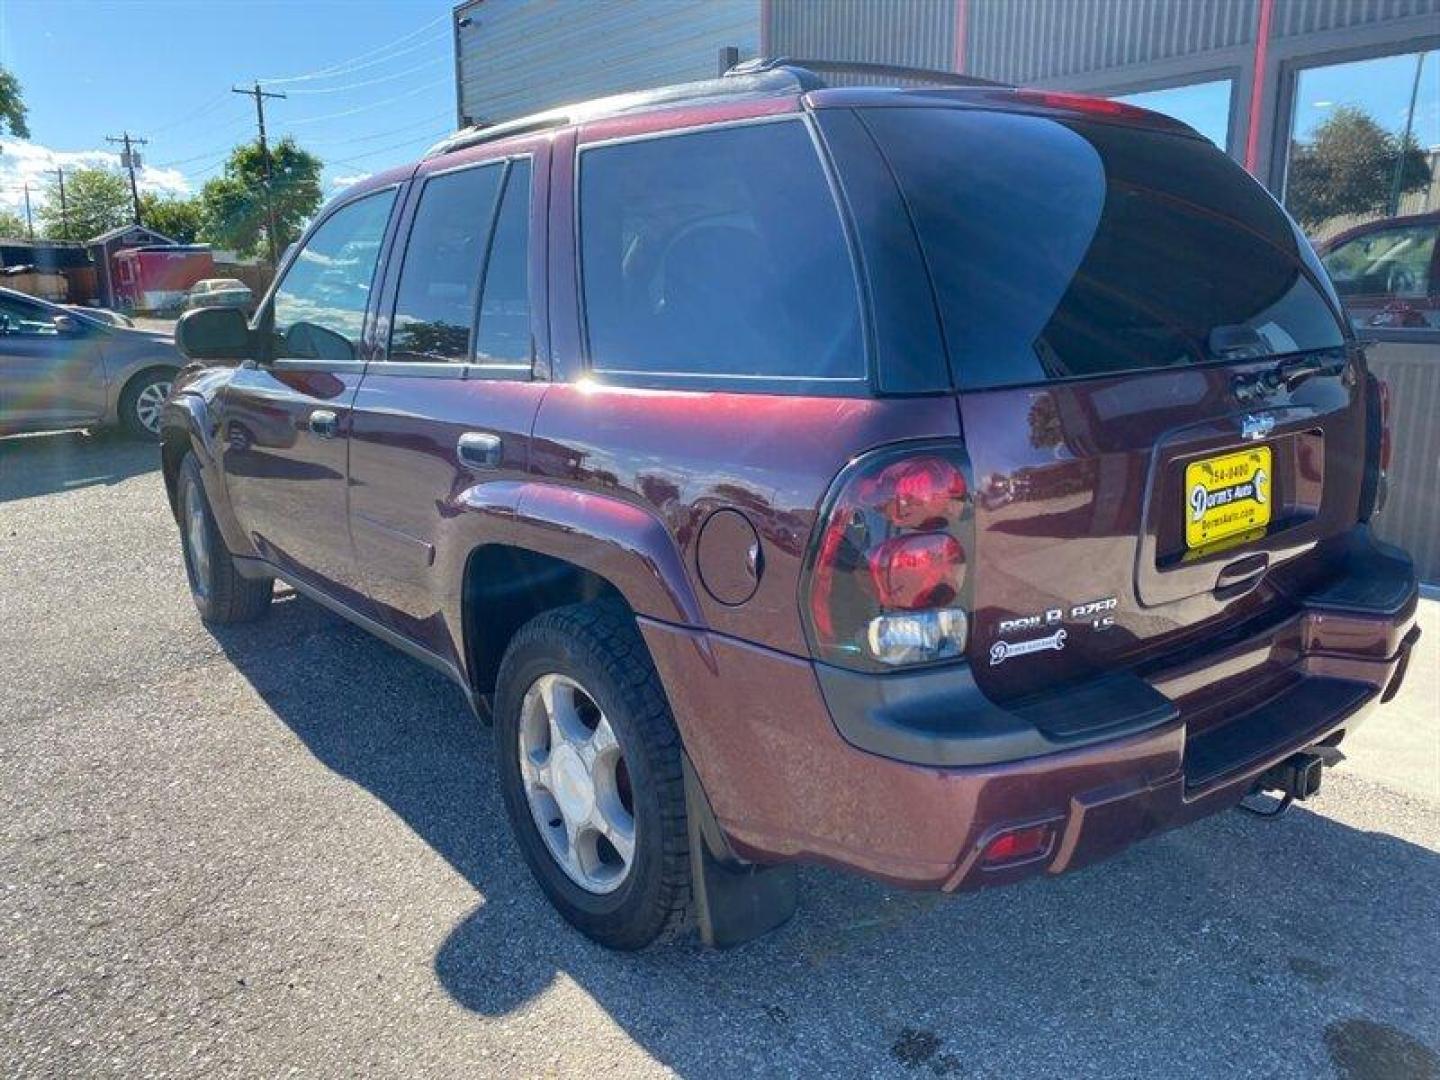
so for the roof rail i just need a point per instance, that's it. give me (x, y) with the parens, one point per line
(776, 79)
(932, 76)
(760, 76)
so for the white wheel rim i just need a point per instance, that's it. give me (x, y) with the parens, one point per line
(148, 404)
(197, 541)
(577, 783)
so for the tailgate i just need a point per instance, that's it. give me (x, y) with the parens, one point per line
(1155, 387)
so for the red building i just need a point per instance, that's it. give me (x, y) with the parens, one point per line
(157, 277)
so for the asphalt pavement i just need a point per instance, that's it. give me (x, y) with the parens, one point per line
(279, 848)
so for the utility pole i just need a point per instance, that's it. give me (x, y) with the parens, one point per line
(29, 224)
(260, 95)
(131, 161)
(64, 215)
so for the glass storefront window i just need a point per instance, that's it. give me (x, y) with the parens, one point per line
(1204, 106)
(1364, 152)
(1365, 142)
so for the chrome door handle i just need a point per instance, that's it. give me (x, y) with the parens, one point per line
(324, 423)
(479, 450)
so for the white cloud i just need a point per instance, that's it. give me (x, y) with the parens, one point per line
(338, 182)
(24, 162)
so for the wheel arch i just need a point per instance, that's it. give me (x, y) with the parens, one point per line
(536, 546)
(139, 372)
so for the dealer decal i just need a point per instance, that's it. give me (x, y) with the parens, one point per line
(1004, 650)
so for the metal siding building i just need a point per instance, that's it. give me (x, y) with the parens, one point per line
(515, 57)
(519, 56)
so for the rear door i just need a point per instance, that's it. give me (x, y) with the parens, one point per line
(450, 398)
(286, 420)
(1156, 393)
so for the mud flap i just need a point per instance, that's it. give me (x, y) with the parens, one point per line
(735, 901)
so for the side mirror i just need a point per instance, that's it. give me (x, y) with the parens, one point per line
(214, 334)
(65, 324)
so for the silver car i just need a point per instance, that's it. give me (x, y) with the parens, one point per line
(63, 369)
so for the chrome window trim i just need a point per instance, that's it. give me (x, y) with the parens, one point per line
(468, 367)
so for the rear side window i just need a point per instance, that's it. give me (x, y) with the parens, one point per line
(503, 337)
(1071, 249)
(440, 281)
(717, 253)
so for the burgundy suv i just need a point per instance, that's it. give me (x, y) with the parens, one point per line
(950, 484)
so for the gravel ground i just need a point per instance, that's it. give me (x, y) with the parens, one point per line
(280, 848)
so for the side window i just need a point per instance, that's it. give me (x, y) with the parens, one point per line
(440, 280)
(319, 308)
(504, 331)
(717, 253)
(1387, 262)
(19, 319)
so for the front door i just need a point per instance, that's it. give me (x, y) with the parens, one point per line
(49, 377)
(286, 418)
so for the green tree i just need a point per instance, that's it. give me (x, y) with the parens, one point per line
(12, 106)
(1349, 167)
(96, 200)
(234, 202)
(12, 226)
(182, 220)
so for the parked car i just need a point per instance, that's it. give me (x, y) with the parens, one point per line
(1388, 272)
(99, 314)
(658, 425)
(220, 292)
(62, 368)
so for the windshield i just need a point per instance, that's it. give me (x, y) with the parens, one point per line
(1064, 249)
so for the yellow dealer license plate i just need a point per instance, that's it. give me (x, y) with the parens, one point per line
(1227, 495)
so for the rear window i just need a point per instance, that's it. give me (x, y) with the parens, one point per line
(717, 253)
(1071, 249)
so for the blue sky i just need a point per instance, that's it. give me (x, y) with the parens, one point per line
(371, 82)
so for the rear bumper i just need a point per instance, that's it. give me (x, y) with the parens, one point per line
(791, 778)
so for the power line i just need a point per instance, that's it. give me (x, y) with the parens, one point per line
(427, 139)
(369, 105)
(354, 63)
(374, 82)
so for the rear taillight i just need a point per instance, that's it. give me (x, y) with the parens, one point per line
(1081, 103)
(888, 574)
(1386, 443)
(1378, 446)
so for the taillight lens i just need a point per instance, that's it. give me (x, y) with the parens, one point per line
(1386, 442)
(888, 580)
(1082, 103)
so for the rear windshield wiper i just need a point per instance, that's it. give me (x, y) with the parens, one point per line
(1287, 374)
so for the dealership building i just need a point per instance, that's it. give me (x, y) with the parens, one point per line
(1297, 91)
(1246, 73)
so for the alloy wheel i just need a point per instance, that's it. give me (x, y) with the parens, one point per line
(577, 783)
(148, 404)
(197, 540)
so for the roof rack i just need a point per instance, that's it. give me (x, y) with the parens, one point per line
(883, 72)
(759, 77)
(778, 79)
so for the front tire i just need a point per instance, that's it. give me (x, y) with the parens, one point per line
(142, 400)
(221, 593)
(589, 765)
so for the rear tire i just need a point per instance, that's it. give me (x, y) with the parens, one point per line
(221, 593)
(141, 400)
(636, 890)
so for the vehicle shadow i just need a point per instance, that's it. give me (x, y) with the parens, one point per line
(1236, 946)
(33, 465)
